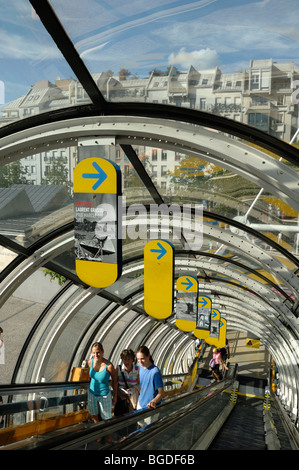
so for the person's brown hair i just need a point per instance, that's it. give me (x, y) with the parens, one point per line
(144, 350)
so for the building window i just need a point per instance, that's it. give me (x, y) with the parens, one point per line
(202, 103)
(154, 155)
(255, 82)
(164, 156)
(260, 80)
(259, 120)
(163, 170)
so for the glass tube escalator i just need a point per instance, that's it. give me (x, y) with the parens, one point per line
(143, 429)
(33, 414)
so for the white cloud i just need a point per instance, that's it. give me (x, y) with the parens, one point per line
(202, 59)
(14, 46)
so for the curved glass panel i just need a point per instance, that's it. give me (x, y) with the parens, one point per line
(35, 78)
(19, 315)
(36, 195)
(244, 69)
(184, 179)
(36, 192)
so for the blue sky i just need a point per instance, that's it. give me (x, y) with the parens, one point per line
(141, 35)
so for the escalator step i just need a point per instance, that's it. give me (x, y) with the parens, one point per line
(243, 430)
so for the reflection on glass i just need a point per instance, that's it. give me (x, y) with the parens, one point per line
(149, 53)
(36, 195)
(35, 78)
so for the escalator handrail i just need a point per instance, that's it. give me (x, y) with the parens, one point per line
(137, 438)
(102, 429)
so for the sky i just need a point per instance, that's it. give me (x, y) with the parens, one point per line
(140, 35)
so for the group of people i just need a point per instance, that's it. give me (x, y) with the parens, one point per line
(135, 387)
(139, 386)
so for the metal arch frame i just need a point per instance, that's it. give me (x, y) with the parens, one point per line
(91, 292)
(100, 105)
(272, 326)
(257, 166)
(270, 160)
(175, 356)
(168, 336)
(260, 289)
(58, 34)
(284, 356)
(266, 261)
(33, 262)
(124, 340)
(53, 248)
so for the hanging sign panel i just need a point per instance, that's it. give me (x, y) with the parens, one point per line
(186, 303)
(97, 186)
(215, 327)
(215, 323)
(158, 278)
(203, 322)
(222, 333)
(221, 340)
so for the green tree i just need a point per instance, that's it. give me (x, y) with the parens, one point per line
(13, 173)
(58, 174)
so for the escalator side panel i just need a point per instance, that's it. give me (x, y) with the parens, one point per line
(244, 428)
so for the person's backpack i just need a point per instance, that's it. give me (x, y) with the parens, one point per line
(212, 363)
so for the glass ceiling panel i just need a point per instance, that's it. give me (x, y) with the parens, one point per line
(36, 192)
(183, 179)
(35, 78)
(236, 59)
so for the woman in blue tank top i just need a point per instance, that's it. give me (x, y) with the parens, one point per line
(99, 394)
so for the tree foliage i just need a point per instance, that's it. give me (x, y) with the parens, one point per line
(58, 174)
(13, 173)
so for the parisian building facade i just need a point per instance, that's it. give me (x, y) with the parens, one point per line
(261, 96)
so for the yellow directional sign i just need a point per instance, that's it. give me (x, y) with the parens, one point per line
(186, 304)
(253, 343)
(203, 322)
(215, 327)
(222, 333)
(158, 278)
(97, 185)
(221, 340)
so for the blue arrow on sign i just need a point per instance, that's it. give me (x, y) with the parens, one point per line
(162, 250)
(203, 302)
(100, 176)
(189, 283)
